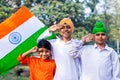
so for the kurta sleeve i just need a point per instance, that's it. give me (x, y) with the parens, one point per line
(25, 60)
(44, 35)
(76, 49)
(116, 66)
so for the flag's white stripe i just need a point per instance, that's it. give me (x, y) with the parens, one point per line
(26, 30)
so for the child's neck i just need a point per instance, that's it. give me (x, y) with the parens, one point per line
(66, 39)
(101, 46)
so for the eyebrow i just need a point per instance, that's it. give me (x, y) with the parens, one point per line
(100, 34)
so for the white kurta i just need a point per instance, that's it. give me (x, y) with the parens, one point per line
(99, 64)
(67, 67)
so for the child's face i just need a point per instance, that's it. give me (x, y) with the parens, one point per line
(44, 53)
(65, 31)
(100, 38)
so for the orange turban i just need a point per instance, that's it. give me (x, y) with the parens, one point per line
(68, 22)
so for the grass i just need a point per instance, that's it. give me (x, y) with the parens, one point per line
(11, 75)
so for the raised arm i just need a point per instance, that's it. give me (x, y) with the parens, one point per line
(77, 48)
(49, 32)
(33, 50)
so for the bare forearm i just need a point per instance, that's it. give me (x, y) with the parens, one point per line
(26, 53)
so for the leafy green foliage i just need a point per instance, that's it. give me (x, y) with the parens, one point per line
(53, 11)
(79, 33)
(5, 10)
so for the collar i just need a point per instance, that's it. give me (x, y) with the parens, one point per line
(46, 60)
(71, 40)
(105, 48)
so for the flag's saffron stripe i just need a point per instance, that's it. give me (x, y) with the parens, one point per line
(14, 21)
(10, 60)
(19, 35)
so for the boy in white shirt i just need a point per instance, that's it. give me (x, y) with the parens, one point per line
(99, 61)
(67, 68)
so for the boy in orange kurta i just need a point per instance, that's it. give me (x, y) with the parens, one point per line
(42, 68)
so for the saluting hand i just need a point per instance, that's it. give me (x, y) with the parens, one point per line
(34, 49)
(54, 27)
(88, 38)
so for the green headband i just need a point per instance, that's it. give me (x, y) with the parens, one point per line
(99, 27)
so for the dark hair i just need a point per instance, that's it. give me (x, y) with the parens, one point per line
(44, 44)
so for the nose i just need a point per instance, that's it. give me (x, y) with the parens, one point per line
(100, 35)
(44, 53)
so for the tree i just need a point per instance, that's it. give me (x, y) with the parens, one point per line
(92, 16)
(115, 27)
(91, 4)
(53, 11)
(5, 10)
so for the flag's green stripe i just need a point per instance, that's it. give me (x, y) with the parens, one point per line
(10, 60)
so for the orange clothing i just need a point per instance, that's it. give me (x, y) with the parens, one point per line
(39, 69)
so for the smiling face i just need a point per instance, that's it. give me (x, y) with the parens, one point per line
(65, 31)
(44, 53)
(100, 38)
(44, 49)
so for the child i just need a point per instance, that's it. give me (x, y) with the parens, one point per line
(67, 67)
(42, 68)
(99, 61)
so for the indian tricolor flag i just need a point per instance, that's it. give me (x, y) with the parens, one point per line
(18, 34)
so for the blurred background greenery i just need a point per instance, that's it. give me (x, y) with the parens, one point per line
(84, 14)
